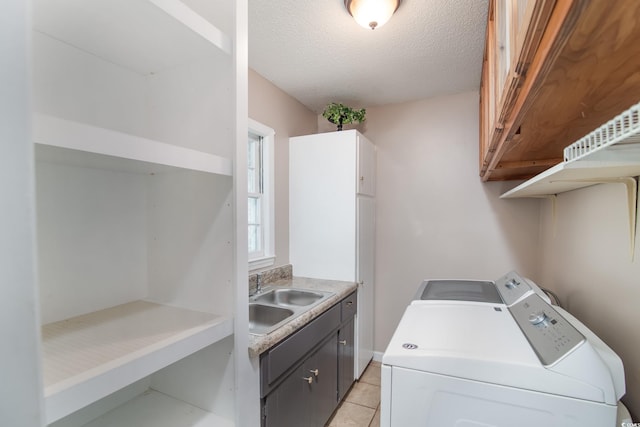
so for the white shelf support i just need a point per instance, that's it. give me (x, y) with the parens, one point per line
(610, 154)
(631, 184)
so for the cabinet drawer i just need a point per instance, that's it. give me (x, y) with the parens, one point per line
(287, 353)
(349, 306)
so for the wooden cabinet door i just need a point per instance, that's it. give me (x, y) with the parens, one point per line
(345, 358)
(519, 25)
(503, 22)
(366, 167)
(514, 32)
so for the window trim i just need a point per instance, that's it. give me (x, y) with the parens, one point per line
(268, 143)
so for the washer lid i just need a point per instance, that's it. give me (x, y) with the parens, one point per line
(482, 342)
(459, 290)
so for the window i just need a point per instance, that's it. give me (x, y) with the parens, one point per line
(260, 189)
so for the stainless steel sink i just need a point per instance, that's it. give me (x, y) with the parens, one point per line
(289, 297)
(264, 317)
(273, 308)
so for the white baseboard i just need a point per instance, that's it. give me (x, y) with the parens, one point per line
(377, 356)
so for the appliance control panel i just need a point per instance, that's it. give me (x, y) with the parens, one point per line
(512, 288)
(550, 335)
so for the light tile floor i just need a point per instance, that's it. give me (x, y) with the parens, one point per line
(361, 406)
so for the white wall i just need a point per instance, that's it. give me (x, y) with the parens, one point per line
(435, 217)
(272, 107)
(586, 260)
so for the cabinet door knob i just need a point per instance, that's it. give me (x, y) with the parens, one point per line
(362, 179)
(308, 380)
(361, 282)
(349, 302)
(343, 342)
(314, 372)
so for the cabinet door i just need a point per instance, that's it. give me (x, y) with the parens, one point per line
(514, 32)
(322, 205)
(366, 166)
(289, 405)
(365, 278)
(519, 25)
(345, 358)
(487, 96)
(503, 40)
(323, 366)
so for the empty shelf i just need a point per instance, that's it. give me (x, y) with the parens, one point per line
(154, 409)
(75, 143)
(88, 357)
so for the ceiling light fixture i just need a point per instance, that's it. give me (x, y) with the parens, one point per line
(371, 13)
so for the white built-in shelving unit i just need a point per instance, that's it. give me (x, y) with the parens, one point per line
(135, 126)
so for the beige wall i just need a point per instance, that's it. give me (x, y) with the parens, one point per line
(435, 218)
(587, 261)
(272, 107)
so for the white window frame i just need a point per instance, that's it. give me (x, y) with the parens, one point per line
(268, 238)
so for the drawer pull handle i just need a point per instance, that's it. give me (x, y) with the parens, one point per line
(349, 302)
(343, 342)
(314, 372)
(308, 380)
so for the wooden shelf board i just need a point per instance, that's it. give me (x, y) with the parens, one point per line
(88, 357)
(75, 143)
(155, 409)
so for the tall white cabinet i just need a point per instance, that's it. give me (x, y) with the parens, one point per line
(332, 218)
(136, 110)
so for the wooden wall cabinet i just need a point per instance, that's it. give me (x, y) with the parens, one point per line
(575, 64)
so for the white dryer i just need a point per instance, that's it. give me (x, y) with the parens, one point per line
(515, 362)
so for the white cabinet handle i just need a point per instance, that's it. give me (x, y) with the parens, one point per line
(343, 342)
(308, 380)
(314, 372)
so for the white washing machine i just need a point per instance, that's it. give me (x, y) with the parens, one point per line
(471, 360)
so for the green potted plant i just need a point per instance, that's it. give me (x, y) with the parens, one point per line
(340, 114)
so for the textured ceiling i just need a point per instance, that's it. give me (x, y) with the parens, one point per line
(315, 51)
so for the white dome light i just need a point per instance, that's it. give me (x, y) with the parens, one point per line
(371, 13)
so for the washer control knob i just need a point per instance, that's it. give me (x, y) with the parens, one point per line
(537, 317)
(512, 284)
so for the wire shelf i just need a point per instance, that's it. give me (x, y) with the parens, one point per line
(624, 128)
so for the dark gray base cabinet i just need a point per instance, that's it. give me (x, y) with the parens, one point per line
(305, 399)
(305, 376)
(346, 361)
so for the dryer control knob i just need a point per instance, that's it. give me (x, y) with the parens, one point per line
(537, 317)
